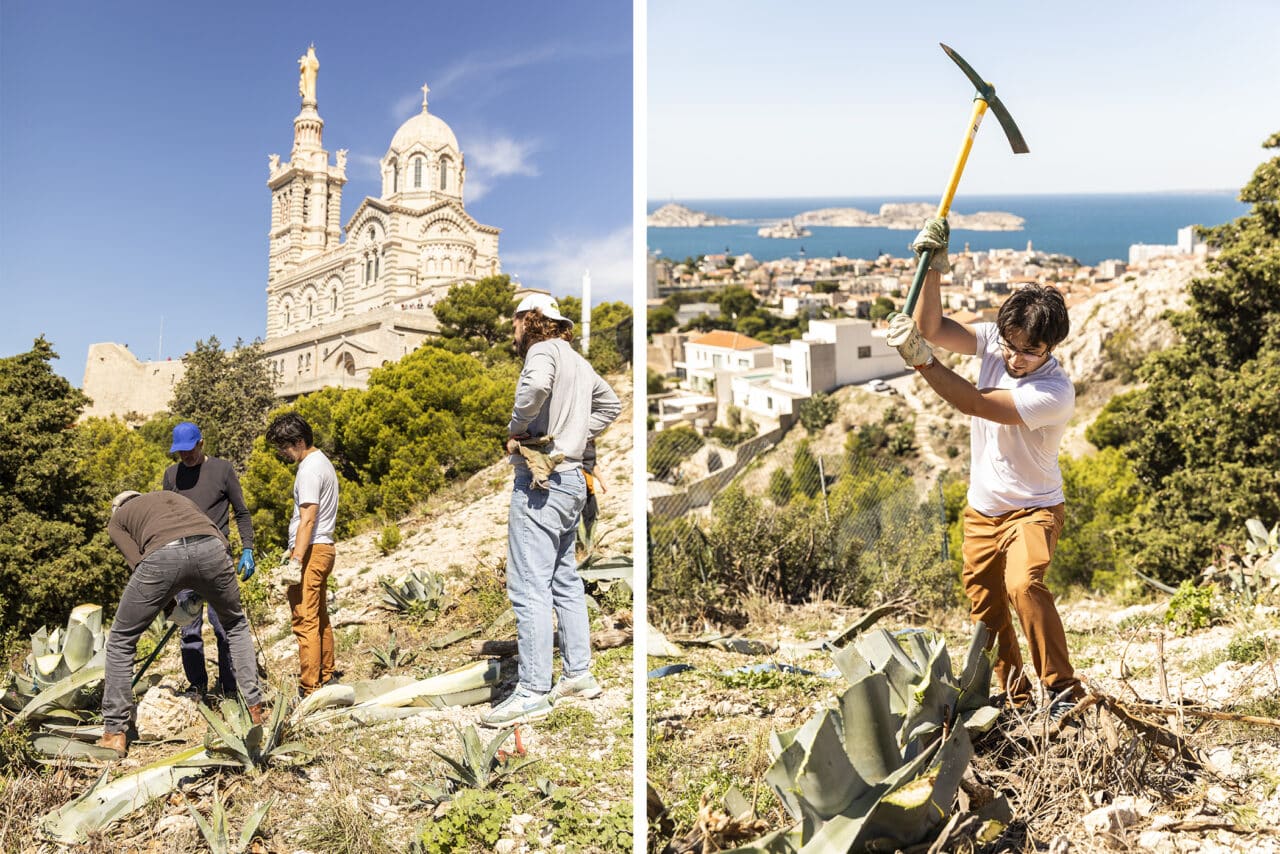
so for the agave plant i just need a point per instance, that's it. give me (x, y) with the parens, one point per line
(64, 671)
(234, 740)
(216, 831)
(393, 655)
(881, 770)
(1255, 574)
(478, 767)
(419, 594)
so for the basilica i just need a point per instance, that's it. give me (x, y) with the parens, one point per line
(337, 309)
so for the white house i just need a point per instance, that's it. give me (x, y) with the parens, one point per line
(832, 354)
(717, 351)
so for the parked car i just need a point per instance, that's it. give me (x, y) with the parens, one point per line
(879, 387)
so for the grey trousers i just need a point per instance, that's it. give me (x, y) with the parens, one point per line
(192, 563)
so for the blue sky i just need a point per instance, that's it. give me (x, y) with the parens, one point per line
(134, 141)
(840, 98)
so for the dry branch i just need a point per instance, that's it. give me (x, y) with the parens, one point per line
(1207, 714)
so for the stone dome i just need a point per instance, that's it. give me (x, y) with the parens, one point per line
(430, 130)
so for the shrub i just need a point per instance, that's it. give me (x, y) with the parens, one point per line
(1192, 608)
(670, 448)
(818, 411)
(389, 540)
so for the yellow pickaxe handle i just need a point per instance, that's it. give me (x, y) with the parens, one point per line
(979, 110)
(944, 207)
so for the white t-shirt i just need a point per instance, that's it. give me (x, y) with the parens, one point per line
(316, 483)
(1016, 467)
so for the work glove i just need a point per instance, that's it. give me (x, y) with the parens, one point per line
(935, 235)
(183, 610)
(247, 566)
(905, 337)
(290, 571)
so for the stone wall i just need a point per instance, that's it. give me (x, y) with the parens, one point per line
(117, 383)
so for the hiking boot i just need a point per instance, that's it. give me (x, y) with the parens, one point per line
(583, 685)
(257, 714)
(116, 741)
(521, 707)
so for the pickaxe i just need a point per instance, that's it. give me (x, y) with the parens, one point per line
(985, 99)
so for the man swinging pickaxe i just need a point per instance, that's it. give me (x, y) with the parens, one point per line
(1020, 407)
(984, 100)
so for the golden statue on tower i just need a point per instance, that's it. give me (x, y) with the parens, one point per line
(308, 68)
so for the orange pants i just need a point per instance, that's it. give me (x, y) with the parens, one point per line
(1005, 559)
(309, 609)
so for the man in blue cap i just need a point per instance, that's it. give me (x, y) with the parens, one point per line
(213, 485)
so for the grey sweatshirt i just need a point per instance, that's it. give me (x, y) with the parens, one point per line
(559, 394)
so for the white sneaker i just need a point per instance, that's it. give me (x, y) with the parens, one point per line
(583, 685)
(521, 707)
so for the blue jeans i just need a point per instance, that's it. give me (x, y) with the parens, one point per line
(542, 576)
(193, 653)
(193, 563)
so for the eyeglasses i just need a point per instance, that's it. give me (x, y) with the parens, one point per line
(1029, 353)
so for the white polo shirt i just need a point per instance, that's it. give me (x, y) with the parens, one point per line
(1016, 467)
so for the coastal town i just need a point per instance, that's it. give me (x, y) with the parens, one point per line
(807, 326)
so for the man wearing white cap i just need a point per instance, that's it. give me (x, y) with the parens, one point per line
(170, 545)
(560, 404)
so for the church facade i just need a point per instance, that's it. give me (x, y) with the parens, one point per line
(337, 309)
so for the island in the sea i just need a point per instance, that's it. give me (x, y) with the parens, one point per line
(785, 230)
(908, 217)
(673, 215)
(902, 216)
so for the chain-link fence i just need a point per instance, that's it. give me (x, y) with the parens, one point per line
(730, 520)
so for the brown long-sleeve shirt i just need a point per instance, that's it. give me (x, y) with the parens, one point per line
(156, 519)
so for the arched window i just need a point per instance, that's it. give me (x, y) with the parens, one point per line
(368, 269)
(377, 265)
(417, 172)
(310, 308)
(348, 364)
(444, 173)
(333, 301)
(288, 314)
(395, 177)
(299, 364)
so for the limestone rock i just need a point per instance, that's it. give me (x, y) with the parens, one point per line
(165, 713)
(1110, 819)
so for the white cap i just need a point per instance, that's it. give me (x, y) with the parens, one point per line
(120, 499)
(544, 303)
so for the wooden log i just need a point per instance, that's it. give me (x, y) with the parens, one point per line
(504, 648)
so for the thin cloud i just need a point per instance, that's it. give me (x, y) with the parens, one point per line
(559, 268)
(502, 156)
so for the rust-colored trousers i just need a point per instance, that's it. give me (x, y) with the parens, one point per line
(1005, 559)
(309, 607)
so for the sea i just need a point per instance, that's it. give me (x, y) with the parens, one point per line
(1088, 227)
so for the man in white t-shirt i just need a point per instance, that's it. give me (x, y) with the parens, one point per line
(311, 549)
(1020, 409)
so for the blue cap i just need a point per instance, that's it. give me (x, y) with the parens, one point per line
(185, 437)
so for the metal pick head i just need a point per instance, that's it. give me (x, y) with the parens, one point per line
(987, 92)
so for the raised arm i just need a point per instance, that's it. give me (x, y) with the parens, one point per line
(936, 328)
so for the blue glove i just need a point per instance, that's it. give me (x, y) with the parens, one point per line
(247, 565)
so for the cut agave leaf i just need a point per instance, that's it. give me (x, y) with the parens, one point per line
(57, 746)
(105, 804)
(480, 674)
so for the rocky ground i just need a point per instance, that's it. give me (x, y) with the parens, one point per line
(366, 787)
(709, 728)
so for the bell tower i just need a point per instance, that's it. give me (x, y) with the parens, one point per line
(306, 192)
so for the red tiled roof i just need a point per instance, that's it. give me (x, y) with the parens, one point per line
(728, 340)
